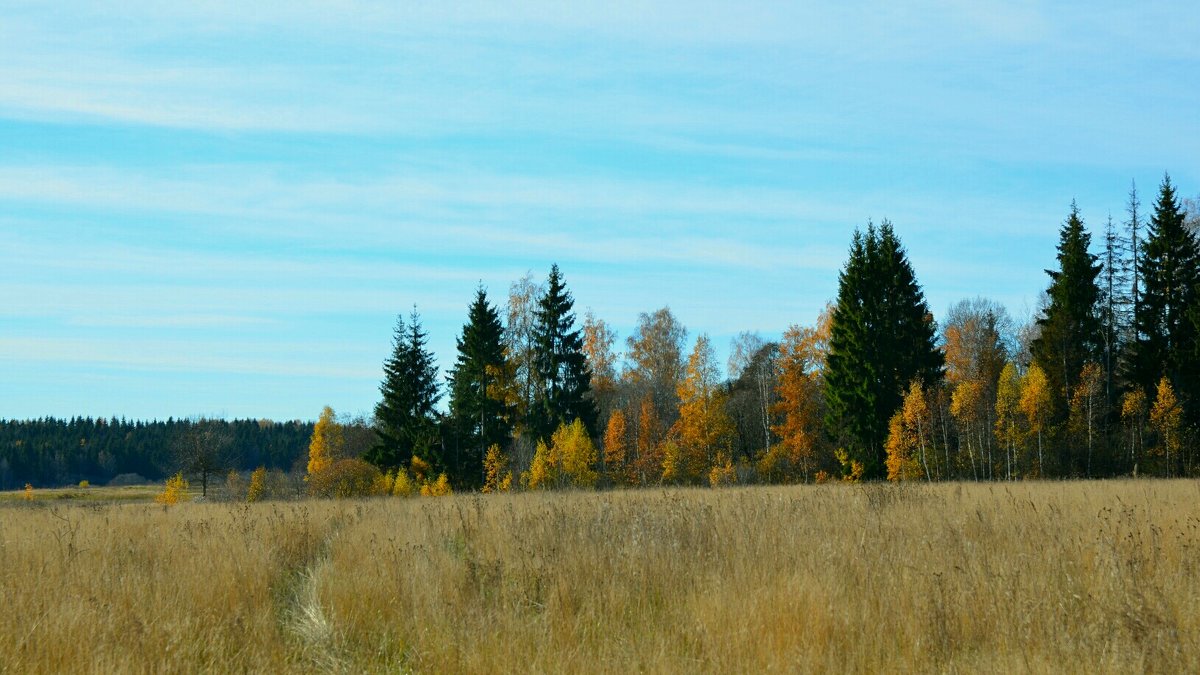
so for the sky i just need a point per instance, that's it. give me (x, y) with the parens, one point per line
(219, 208)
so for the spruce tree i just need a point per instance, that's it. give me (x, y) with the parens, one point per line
(1072, 333)
(563, 381)
(479, 417)
(1169, 270)
(405, 420)
(882, 338)
(1071, 330)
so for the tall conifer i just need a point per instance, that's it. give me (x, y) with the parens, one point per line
(1170, 270)
(563, 378)
(1072, 334)
(405, 420)
(882, 338)
(480, 416)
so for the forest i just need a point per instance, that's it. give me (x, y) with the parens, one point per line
(1103, 381)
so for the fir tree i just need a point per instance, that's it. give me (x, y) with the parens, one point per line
(563, 381)
(882, 338)
(405, 420)
(480, 417)
(1170, 269)
(1071, 331)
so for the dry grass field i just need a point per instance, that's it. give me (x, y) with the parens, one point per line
(1032, 577)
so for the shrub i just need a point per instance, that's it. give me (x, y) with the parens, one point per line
(438, 488)
(84, 484)
(258, 485)
(402, 485)
(173, 491)
(343, 479)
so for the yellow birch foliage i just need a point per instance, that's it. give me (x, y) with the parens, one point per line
(173, 491)
(649, 460)
(704, 429)
(576, 454)
(402, 484)
(325, 448)
(1166, 417)
(497, 477)
(384, 484)
(543, 472)
(723, 473)
(672, 462)
(798, 408)
(908, 436)
(1035, 406)
(258, 485)
(1008, 411)
(438, 488)
(1133, 417)
(615, 449)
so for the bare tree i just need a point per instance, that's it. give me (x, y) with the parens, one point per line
(203, 448)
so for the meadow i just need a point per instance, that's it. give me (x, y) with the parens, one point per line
(1096, 577)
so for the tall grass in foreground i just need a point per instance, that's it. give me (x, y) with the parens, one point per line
(1044, 577)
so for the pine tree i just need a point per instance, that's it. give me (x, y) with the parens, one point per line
(405, 420)
(882, 338)
(563, 381)
(1170, 270)
(480, 418)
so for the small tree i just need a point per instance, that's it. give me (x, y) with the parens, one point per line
(1008, 411)
(614, 448)
(327, 443)
(258, 484)
(1035, 406)
(497, 476)
(1133, 417)
(1166, 418)
(203, 448)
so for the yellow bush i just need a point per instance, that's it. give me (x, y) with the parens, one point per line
(28, 492)
(439, 488)
(84, 484)
(345, 478)
(723, 472)
(402, 485)
(543, 472)
(258, 485)
(384, 483)
(173, 490)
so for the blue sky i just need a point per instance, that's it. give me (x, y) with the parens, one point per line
(220, 207)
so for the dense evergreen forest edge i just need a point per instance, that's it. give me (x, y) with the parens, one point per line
(1103, 381)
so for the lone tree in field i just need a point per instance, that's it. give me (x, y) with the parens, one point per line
(563, 386)
(204, 448)
(405, 421)
(882, 338)
(480, 416)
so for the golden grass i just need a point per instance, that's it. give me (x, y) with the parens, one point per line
(1031, 577)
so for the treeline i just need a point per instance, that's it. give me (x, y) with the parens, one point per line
(1104, 381)
(50, 451)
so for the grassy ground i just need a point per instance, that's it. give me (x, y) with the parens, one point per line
(128, 493)
(1032, 577)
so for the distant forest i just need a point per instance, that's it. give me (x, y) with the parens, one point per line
(1103, 381)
